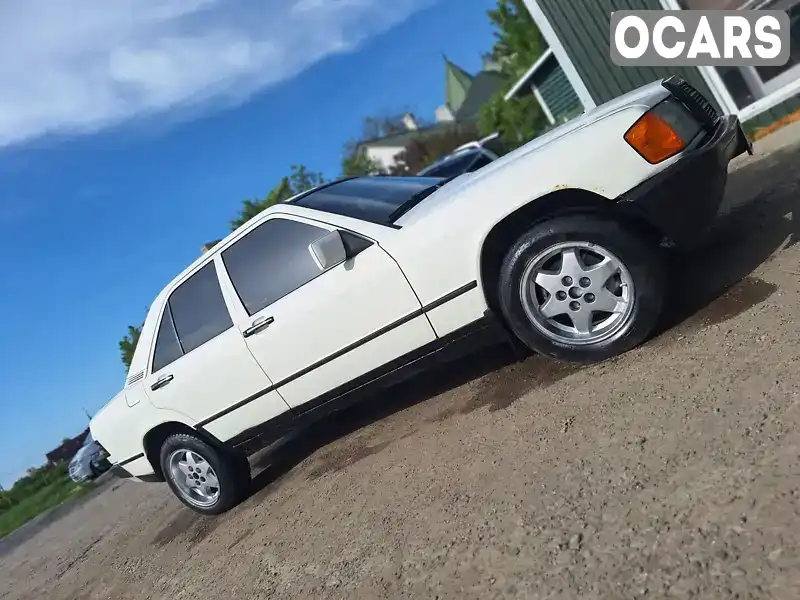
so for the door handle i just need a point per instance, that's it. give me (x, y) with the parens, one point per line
(259, 324)
(161, 382)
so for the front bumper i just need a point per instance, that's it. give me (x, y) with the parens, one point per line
(682, 200)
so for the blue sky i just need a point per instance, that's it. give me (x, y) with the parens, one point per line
(129, 138)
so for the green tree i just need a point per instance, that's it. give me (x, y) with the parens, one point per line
(518, 44)
(386, 124)
(518, 41)
(419, 153)
(250, 208)
(299, 180)
(127, 345)
(302, 180)
(6, 501)
(356, 163)
(517, 120)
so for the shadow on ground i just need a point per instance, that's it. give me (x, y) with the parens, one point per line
(288, 452)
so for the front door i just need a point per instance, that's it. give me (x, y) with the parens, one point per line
(200, 365)
(318, 334)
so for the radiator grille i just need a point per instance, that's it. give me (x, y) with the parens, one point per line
(699, 106)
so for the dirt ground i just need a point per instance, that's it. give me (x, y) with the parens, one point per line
(672, 471)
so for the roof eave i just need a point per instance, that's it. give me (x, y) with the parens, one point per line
(528, 74)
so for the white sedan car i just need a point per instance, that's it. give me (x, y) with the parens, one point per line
(357, 284)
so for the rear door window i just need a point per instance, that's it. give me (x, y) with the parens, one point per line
(195, 313)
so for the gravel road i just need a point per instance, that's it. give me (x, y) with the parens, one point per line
(669, 472)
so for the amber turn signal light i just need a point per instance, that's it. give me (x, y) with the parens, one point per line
(653, 138)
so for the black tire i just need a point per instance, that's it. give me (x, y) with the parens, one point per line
(231, 468)
(641, 256)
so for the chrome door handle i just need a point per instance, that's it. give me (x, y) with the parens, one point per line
(161, 382)
(259, 324)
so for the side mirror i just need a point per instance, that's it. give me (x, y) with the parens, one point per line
(328, 251)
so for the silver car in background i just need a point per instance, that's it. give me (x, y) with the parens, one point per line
(467, 158)
(89, 462)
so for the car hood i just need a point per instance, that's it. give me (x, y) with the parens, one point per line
(645, 96)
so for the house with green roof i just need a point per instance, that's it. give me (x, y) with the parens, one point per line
(465, 94)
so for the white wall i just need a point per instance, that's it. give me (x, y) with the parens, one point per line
(383, 155)
(444, 114)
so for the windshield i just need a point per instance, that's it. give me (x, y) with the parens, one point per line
(89, 440)
(373, 199)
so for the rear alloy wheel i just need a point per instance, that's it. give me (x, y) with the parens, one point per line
(194, 477)
(582, 288)
(203, 478)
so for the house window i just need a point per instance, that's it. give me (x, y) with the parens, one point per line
(748, 84)
(780, 75)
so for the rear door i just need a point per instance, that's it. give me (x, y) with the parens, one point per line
(200, 365)
(320, 334)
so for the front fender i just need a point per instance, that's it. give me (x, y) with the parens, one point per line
(441, 240)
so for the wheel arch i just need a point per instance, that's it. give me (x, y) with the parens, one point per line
(558, 203)
(155, 437)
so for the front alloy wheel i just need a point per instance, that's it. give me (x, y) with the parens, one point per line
(582, 288)
(577, 292)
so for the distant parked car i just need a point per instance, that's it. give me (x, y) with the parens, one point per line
(89, 462)
(465, 159)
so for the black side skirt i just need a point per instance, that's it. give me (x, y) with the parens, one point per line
(484, 332)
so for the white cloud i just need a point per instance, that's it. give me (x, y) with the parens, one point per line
(76, 66)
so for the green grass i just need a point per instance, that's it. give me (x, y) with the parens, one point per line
(57, 492)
